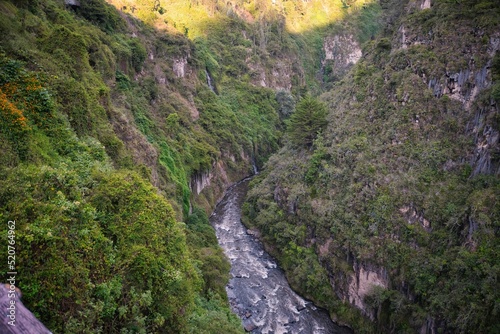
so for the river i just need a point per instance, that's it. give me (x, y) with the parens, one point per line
(258, 290)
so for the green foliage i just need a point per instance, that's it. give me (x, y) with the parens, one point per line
(308, 120)
(368, 19)
(286, 104)
(362, 73)
(122, 81)
(206, 57)
(101, 14)
(318, 162)
(93, 121)
(24, 105)
(257, 118)
(213, 317)
(388, 187)
(102, 248)
(124, 256)
(138, 54)
(308, 274)
(495, 92)
(69, 48)
(495, 67)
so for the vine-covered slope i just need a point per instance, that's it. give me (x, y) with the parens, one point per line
(391, 220)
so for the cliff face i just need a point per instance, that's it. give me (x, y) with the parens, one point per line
(397, 198)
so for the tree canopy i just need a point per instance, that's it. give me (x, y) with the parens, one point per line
(307, 121)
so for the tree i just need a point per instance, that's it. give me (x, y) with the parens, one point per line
(286, 104)
(307, 121)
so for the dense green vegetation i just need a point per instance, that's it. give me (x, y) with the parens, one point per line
(397, 183)
(106, 120)
(93, 116)
(307, 122)
(109, 115)
(273, 43)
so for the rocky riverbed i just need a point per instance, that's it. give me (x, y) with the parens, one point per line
(258, 290)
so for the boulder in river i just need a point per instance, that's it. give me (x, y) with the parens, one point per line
(249, 326)
(300, 307)
(254, 233)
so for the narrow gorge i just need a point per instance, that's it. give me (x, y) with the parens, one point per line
(258, 290)
(371, 129)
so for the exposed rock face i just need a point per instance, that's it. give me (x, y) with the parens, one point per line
(341, 52)
(463, 86)
(200, 181)
(407, 39)
(209, 186)
(361, 285)
(188, 103)
(426, 4)
(142, 151)
(282, 76)
(75, 3)
(412, 216)
(279, 77)
(487, 143)
(441, 71)
(241, 12)
(180, 67)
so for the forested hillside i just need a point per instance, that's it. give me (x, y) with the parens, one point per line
(122, 122)
(386, 210)
(99, 142)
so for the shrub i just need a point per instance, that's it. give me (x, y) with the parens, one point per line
(102, 14)
(139, 54)
(286, 103)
